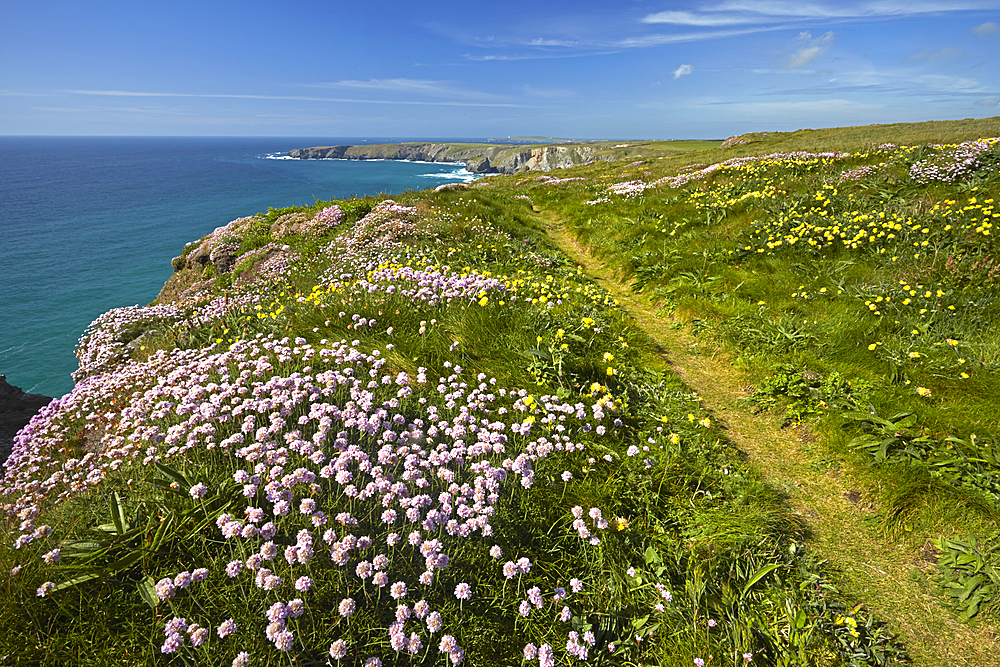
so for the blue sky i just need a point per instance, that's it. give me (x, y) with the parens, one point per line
(583, 69)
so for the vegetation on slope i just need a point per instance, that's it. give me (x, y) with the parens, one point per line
(858, 291)
(411, 432)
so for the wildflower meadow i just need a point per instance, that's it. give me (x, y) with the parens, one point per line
(410, 431)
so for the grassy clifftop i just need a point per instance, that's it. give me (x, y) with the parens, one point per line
(412, 431)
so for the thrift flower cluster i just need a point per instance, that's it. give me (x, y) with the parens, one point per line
(630, 189)
(955, 162)
(342, 468)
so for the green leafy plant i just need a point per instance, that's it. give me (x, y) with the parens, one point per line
(969, 574)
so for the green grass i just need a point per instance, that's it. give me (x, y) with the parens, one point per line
(687, 514)
(706, 252)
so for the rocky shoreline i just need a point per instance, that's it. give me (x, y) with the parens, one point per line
(16, 409)
(477, 159)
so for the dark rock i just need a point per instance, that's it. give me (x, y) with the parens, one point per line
(319, 153)
(223, 256)
(200, 257)
(16, 409)
(480, 166)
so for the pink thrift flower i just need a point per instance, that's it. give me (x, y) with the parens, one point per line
(346, 607)
(530, 652)
(421, 609)
(172, 643)
(463, 592)
(338, 649)
(199, 636)
(227, 628)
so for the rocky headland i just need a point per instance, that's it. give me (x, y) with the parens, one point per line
(16, 409)
(477, 158)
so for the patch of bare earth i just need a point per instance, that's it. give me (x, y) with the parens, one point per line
(893, 580)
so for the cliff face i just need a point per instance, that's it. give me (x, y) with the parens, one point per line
(477, 159)
(16, 409)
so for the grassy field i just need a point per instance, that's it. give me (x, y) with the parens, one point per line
(418, 431)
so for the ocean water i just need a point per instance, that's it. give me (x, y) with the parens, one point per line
(91, 223)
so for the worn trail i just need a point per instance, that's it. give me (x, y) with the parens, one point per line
(892, 579)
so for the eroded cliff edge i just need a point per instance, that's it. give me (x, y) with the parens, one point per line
(16, 409)
(477, 158)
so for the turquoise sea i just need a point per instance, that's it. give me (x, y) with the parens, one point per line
(91, 223)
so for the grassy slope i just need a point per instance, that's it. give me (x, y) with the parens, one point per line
(831, 496)
(903, 500)
(687, 514)
(683, 515)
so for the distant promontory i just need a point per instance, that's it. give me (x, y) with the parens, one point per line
(496, 159)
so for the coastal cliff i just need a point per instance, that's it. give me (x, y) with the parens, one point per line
(16, 409)
(477, 158)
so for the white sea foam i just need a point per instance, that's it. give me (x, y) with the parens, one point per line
(459, 174)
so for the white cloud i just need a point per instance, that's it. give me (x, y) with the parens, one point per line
(809, 53)
(987, 28)
(744, 12)
(682, 71)
(988, 102)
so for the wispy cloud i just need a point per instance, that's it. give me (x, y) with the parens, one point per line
(800, 109)
(705, 19)
(749, 12)
(988, 28)
(678, 38)
(958, 84)
(988, 102)
(421, 89)
(423, 86)
(817, 105)
(552, 42)
(683, 70)
(111, 109)
(813, 49)
(888, 84)
(548, 93)
(946, 53)
(541, 55)
(295, 98)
